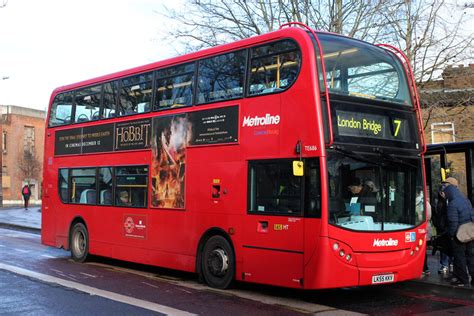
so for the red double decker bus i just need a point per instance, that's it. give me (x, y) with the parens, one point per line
(292, 158)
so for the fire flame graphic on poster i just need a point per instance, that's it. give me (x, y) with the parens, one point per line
(171, 136)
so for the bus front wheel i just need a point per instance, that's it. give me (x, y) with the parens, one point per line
(79, 243)
(218, 263)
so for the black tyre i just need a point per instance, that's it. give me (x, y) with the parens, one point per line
(218, 263)
(79, 243)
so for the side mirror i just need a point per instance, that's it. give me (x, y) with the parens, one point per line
(298, 168)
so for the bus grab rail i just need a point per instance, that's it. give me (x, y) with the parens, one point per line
(326, 89)
(411, 77)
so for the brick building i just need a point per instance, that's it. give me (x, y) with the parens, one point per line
(448, 113)
(448, 106)
(22, 144)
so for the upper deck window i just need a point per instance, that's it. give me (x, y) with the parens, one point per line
(221, 77)
(273, 67)
(362, 70)
(61, 110)
(135, 94)
(174, 86)
(87, 103)
(109, 102)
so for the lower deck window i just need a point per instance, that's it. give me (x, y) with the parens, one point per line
(120, 186)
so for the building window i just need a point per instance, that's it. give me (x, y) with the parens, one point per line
(29, 139)
(442, 133)
(4, 142)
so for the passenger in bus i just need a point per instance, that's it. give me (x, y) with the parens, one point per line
(124, 199)
(353, 205)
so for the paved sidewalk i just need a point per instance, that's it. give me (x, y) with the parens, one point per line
(19, 218)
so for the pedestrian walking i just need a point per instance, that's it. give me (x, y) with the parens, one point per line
(26, 192)
(460, 211)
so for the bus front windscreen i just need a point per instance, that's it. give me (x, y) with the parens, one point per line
(374, 193)
(359, 69)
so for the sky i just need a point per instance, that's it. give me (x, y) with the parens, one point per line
(46, 44)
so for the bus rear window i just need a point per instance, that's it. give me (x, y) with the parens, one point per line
(61, 110)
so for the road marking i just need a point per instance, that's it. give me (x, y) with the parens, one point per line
(255, 296)
(93, 291)
(156, 287)
(89, 275)
(48, 256)
(21, 250)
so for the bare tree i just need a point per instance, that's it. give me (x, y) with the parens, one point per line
(208, 23)
(29, 166)
(429, 32)
(3, 3)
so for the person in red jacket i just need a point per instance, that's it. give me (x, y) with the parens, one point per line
(26, 194)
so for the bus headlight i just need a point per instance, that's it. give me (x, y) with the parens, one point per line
(342, 253)
(335, 246)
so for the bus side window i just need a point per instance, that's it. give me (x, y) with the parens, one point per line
(105, 186)
(87, 102)
(131, 186)
(63, 185)
(221, 77)
(109, 100)
(174, 86)
(61, 110)
(83, 186)
(273, 67)
(135, 94)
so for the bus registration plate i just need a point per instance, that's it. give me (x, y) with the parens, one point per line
(383, 278)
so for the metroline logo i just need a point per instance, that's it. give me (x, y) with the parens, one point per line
(268, 119)
(385, 242)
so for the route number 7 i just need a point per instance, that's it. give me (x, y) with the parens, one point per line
(397, 126)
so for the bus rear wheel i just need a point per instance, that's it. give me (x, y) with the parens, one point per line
(79, 242)
(218, 263)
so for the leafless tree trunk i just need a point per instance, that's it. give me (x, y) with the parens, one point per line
(29, 166)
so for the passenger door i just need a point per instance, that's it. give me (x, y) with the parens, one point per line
(274, 226)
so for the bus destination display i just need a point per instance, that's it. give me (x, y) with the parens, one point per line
(356, 124)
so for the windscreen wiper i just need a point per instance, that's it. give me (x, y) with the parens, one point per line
(356, 156)
(392, 158)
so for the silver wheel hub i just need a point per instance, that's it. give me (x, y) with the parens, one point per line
(218, 262)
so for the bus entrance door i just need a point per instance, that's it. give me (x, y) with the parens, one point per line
(273, 250)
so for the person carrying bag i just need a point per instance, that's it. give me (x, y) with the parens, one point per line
(460, 211)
